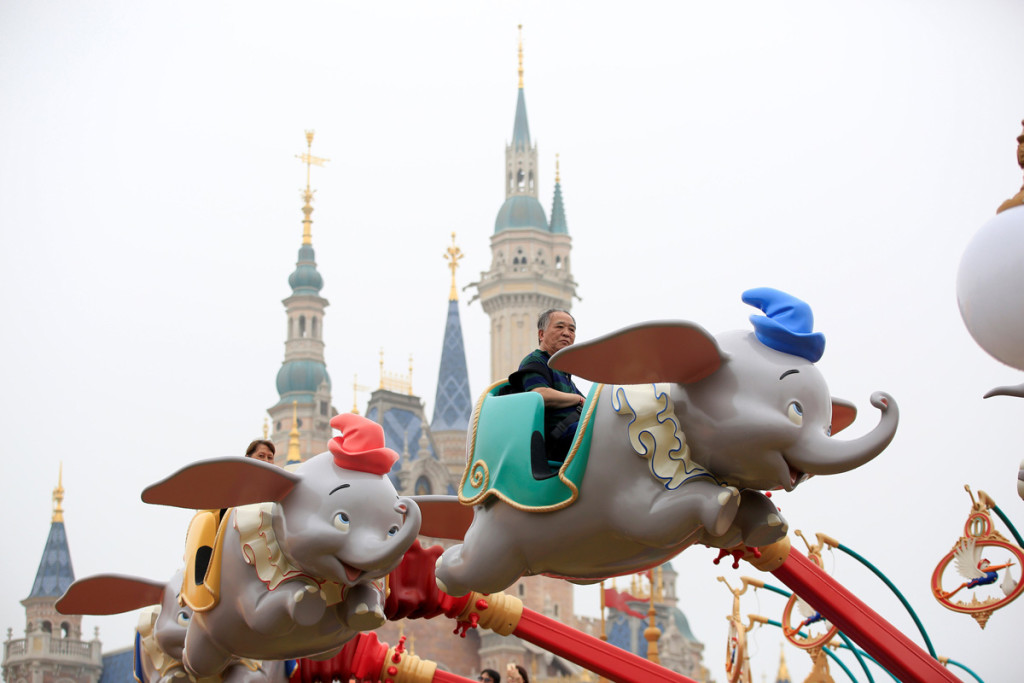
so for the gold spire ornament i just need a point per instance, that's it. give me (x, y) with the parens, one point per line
(1017, 199)
(558, 172)
(266, 428)
(520, 56)
(307, 194)
(58, 497)
(453, 255)
(294, 452)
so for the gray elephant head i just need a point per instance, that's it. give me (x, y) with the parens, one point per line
(754, 409)
(337, 515)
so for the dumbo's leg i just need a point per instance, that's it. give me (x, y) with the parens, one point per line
(201, 656)
(486, 562)
(675, 514)
(277, 612)
(758, 522)
(363, 609)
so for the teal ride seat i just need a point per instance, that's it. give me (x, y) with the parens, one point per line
(507, 455)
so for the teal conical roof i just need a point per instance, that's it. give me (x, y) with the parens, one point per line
(558, 224)
(452, 403)
(521, 129)
(55, 573)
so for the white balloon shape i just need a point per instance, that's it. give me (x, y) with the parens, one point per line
(990, 287)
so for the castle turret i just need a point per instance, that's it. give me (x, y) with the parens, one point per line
(529, 257)
(303, 384)
(52, 649)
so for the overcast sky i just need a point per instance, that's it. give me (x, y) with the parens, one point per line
(150, 216)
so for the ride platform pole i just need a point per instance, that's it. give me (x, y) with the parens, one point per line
(883, 641)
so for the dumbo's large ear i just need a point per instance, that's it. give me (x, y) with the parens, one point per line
(221, 483)
(444, 517)
(663, 351)
(110, 594)
(843, 414)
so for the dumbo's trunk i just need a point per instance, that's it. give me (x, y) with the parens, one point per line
(827, 455)
(1016, 390)
(389, 555)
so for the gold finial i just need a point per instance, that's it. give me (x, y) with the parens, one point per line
(1017, 199)
(307, 195)
(783, 669)
(453, 255)
(381, 367)
(410, 374)
(266, 428)
(58, 497)
(355, 388)
(652, 633)
(558, 172)
(294, 452)
(520, 56)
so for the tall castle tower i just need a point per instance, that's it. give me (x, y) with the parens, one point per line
(530, 266)
(303, 384)
(52, 649)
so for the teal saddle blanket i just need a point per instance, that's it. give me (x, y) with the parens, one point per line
(506, 453)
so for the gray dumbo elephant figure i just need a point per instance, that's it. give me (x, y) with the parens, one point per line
(160, 634)
(295, 566)
(668, 464)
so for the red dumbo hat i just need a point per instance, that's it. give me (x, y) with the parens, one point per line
(361, 445)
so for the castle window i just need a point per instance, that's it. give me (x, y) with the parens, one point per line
(278, 425)
(47, 627)
(531, 180)
(558, 263)
(423, 487)
(323, 408)
(520, 179)
(522, 591)
(316, 330)
(65, 630)
(291, 328)
(302, 326)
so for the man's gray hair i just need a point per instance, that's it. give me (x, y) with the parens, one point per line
(545, 317)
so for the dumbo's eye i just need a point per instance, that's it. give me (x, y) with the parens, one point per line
(795, 413)
(393, 530)
(341, 521)
(183, 618)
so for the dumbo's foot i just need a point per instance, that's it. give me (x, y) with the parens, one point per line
(442, 577)
(759, 521)
(307, 608)
(364, 608)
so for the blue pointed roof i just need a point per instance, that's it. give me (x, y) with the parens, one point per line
(558, 224)
(55, 573)
(521, 129)
(452, 403)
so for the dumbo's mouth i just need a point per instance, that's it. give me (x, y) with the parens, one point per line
(351, 573)
(793, 475)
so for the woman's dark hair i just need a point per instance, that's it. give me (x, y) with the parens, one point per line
(256, 444)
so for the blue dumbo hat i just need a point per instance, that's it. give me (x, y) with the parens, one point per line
(786, 324)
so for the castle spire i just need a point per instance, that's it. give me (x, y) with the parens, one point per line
(558, 224)
(307, 194)
(520, 56)
(521, 129)
(55, 573)
(58, 497)
(294, 452)
(452, 402)
(453, 255)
